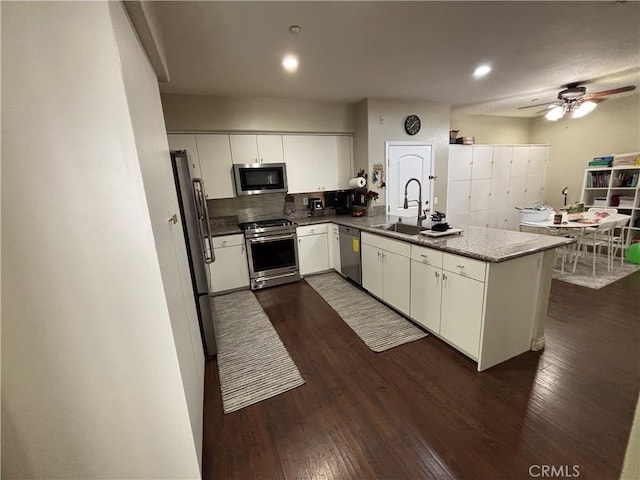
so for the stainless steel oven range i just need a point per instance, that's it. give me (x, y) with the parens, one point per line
(272, 252)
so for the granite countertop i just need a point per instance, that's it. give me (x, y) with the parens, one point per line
(482, 243)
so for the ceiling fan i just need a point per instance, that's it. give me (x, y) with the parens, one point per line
(574, 99)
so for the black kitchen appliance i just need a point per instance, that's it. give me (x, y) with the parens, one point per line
(315, 204)
(341, 201)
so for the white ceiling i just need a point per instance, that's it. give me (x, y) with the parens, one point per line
(402, 50)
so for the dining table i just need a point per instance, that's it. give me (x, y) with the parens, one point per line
(568, 228)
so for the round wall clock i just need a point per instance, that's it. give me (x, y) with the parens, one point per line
(412, 124)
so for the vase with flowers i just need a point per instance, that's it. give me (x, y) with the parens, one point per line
(370, 196)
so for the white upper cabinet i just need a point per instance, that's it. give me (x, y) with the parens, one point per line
(215, 162)
(538, 160)
(482, 160)
(502, 161)
(460, 158)
(520, 160)
(270, 148)
(317, 162)
(246, 148)
(187, 141)
(302, 168)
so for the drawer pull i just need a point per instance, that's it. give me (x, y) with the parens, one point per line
(460, 266)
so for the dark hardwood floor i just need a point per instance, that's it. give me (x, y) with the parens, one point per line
(422, 410)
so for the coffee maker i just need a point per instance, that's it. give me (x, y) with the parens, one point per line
(341, 201)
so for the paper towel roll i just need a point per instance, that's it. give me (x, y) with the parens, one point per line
(357, 182)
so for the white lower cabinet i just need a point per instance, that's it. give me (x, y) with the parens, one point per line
(334, 247)
(230, 270)
(313, 248)
(386, 270)
(461, 312)
(426, 287)
(447, 296)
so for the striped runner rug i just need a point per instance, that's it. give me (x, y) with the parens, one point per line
(377, 325)
(252, 361)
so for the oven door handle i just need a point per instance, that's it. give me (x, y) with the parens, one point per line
(271, 239)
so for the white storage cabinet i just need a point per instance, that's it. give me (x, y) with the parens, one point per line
(386, 269)
(248, 148)
(318, 162)
(230, 271)
(487, 181)
(313, 248)
(215, 162)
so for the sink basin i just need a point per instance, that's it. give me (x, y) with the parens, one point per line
(403, 228)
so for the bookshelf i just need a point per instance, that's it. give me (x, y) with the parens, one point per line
(615, 187)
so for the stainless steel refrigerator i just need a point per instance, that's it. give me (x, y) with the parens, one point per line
(197, 236)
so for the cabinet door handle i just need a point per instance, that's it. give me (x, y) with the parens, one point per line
(460, 266)
(437, 274)
(444, 276)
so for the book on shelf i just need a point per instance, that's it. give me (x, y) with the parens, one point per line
(598, 179)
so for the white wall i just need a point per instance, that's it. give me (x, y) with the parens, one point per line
(613, 127)
(207, 113)
(489, 129)
(91, 380)
(435, 129)
(145, 109)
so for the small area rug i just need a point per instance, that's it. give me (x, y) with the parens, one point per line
(252, 361)
(376, 324)
(584, 272)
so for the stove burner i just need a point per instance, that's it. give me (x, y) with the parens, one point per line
(280, 222)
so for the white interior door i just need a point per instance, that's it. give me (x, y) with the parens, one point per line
(406, 161)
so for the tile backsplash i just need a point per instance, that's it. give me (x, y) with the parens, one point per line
(249, 208)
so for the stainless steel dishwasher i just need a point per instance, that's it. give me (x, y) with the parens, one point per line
(350, 253)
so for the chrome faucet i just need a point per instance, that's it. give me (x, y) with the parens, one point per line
(422, 214)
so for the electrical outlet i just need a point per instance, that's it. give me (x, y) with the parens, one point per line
(305, 201)
(435, 201)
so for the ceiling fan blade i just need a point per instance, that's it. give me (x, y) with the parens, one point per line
(613, 91)
(537, 105)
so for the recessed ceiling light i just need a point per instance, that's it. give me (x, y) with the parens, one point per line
(295, 29)
(290, 63)
(481, 71)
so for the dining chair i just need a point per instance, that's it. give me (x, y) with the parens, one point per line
(610, 211)
(540, 230)
(618, 241)
(596, 237)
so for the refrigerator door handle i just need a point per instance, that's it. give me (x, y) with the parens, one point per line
(203, 218)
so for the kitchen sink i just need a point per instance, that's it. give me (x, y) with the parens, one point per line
(402, 228)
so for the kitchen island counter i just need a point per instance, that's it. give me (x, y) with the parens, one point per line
(481, 243)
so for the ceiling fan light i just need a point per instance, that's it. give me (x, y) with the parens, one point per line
(555, 114)
(584, 108)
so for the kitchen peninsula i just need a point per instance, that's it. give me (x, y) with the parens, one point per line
(485, 291)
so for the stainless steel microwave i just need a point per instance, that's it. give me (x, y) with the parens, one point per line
(254, 178)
